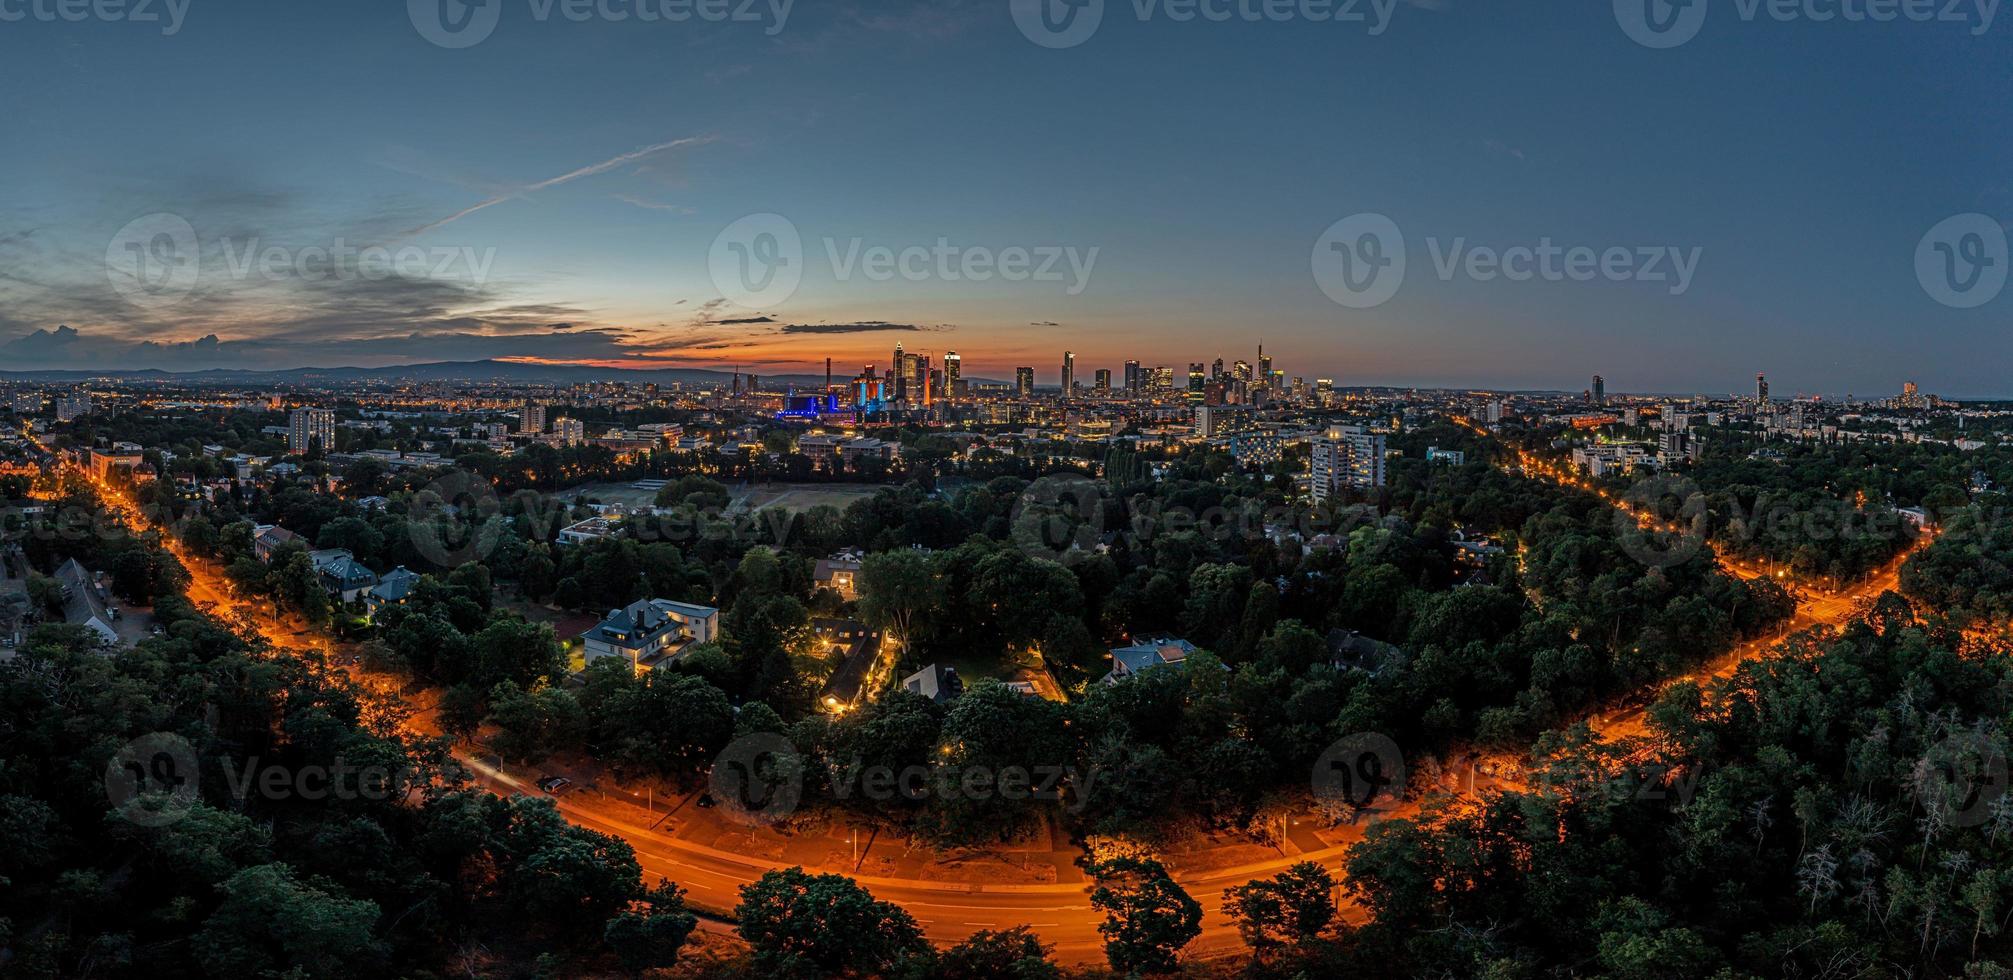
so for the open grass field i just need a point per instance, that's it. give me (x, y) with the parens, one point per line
(800, 496)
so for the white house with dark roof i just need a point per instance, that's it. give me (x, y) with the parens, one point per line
(650, 632)
(342, 575)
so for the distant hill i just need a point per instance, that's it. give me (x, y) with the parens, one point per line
(435, 371)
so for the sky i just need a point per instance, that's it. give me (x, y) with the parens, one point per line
(260, 184)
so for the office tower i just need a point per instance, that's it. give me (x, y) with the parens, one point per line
(1264, 364)
(75, 405)
(954, 374)
(1598, 394)
(1162, 378)
(1346, 457)
(1023, 382)
(1195, 377)
(1103, 377)
(1216, 370)
(571, 432)
(308, 428)
(1132, 376)
(1241, 371)
(754, 383)
(1324, 386)
(1761, 389)
(1068, 374)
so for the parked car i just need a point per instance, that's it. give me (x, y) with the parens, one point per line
(553, 784)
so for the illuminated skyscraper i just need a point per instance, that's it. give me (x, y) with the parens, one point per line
(1068, 374)
(1132, 379)
(1103, 379)
(1023, 382)
(954, 374)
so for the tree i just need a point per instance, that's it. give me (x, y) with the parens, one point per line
(829, 921)
(273, 924)
(462, 708)
(896, 588)
(650, 933)
(1013, 954)
(1148, 918)
(1288, 909)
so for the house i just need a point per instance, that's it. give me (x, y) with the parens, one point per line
(392, 590)
(650, 632)
(838, 573)
(342, 575)
(84, 604)
(1147, 653)
(1350, 650)
(268, 538)
(936, 682)
(591, 529)
(861, 647)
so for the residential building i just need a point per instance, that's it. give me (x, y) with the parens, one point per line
(1148, 653)
(1346, 457)
(650, 632)
(309, 428)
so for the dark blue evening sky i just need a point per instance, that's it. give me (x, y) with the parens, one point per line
(1802, 161)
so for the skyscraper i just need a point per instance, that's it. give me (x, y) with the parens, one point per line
(1761, 389)
(1103, 377)
(309, 428)
(1132, 376)
(1195, 377)
(1598, 394)
(1264, 365)
(1068, 374)
(1023, 382)
(531, 420)
(954, 374)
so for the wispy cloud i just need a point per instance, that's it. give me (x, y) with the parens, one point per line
(590, 170)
